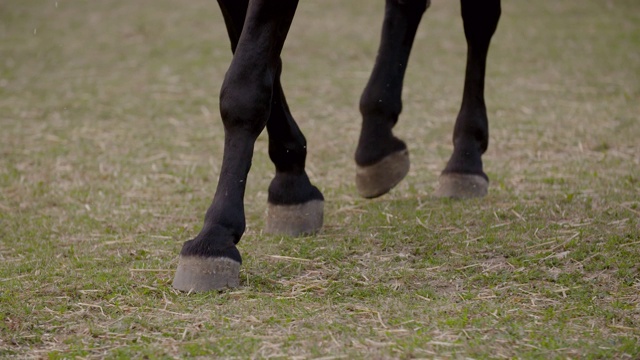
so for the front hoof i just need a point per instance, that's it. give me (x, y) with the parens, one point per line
(378, 179)
(198, 273)
(462, 186)
(295, 220)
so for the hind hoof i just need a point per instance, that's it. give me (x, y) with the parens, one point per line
(377, 179)
(198, 274)
(295, 220)
(461, 186)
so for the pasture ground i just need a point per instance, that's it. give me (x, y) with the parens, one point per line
(110, 147)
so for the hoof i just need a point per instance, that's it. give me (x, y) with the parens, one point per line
(295, 220)
(377, 179)
(462, 186)
(198, 274)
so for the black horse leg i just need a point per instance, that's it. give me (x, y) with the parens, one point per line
(382, 159)
(211, 260)
(463, 176)
(295, 205)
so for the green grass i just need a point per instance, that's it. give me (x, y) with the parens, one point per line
(110, 148)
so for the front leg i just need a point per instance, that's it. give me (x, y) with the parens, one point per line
(296, 207)
(382, 159)
(211, 260)
(463, 176)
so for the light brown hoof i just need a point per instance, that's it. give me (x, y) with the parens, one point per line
(462, 186)
(377, 179)
(198, 274)
(295, 220)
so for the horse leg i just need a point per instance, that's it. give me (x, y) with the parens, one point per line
(463, 177)
(211, 260)
(295, 205)
(382, 159)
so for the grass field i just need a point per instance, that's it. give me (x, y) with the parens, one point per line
(110, 147)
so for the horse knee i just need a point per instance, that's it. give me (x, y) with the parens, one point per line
(245, 105)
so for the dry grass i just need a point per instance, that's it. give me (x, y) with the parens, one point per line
(110, 148)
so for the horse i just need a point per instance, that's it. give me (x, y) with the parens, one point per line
(252, 98)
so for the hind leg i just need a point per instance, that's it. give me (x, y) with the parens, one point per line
(382, 159)
(463, 177)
